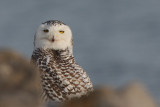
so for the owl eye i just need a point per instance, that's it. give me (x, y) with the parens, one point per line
(61, 31)
(45, 30)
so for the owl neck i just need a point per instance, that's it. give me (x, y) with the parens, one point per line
(58, 54)
(62, 53)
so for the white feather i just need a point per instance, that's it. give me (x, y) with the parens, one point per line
(61, 41)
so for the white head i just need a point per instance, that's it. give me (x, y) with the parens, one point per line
(53, 34)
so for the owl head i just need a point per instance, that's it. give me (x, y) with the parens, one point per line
(53, 34)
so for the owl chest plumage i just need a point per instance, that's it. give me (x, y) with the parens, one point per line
(61, 77)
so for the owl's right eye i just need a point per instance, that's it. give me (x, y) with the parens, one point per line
(45, 30)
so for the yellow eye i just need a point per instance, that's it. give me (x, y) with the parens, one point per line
(45, 30)
(61, 31)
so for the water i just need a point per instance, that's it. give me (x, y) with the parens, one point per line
(115, 41)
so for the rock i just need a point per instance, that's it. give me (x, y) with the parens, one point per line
(136, 95)
(19, 83)
(133, 95)
(102, 97)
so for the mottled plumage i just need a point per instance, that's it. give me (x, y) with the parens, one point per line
(53, 22)
(61, 77)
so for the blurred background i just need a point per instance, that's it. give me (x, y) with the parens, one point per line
(115, 41)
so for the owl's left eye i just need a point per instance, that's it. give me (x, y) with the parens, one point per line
(61, 31)
(45, 30)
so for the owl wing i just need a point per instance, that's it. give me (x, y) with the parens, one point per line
(51, 81)
(35, 58)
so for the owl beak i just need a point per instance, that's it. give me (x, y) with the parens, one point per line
(53, 39)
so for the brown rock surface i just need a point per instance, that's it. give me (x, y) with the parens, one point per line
(18, 81)
(103, 97)
(133, 95)
(136, 95)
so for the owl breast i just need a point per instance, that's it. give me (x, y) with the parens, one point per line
(61, 77)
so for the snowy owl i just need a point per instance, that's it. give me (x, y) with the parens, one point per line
(61, 77)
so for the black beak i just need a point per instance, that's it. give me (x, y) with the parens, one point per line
(52, 39)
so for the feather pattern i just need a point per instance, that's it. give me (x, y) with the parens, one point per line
(61, 77)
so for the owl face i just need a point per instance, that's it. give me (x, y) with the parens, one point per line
(53, 35)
